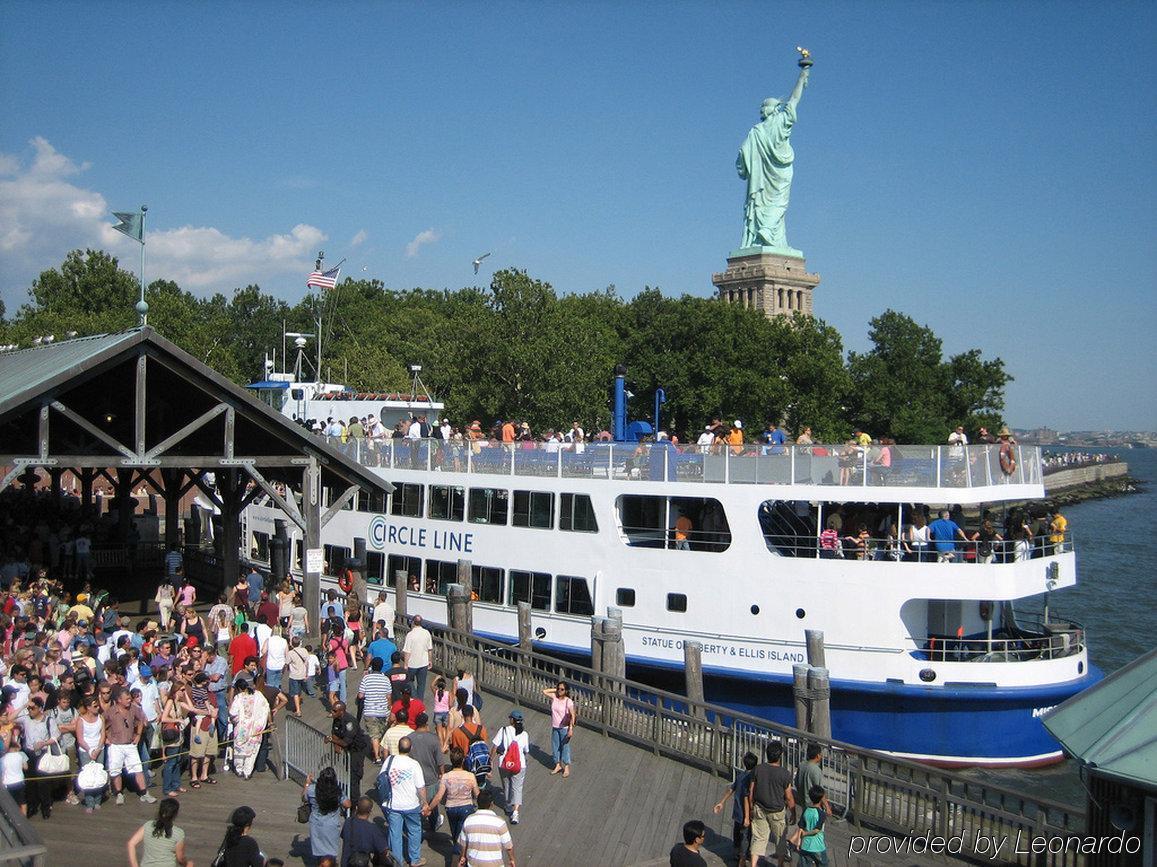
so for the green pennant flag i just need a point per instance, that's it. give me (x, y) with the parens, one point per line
(132, 225)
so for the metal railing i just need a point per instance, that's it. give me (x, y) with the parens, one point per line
(307, 752)
(1043, 637)
(874, 548)
(19, 842)
(869, 788)
(908, 466)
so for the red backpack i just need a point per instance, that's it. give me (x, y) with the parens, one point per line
(512, 757)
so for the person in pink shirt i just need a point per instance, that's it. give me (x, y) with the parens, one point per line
(563, 716)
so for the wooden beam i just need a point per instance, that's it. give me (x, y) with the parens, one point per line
(287, 506)
(339, 504)
(141, 403)
(230, 428)
(11, 475)
(200, 421)
(83, 423)
(42, 433)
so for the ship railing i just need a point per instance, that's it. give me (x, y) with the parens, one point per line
(897, 466)
(1055, 640)
(887, 549)
(871, 789)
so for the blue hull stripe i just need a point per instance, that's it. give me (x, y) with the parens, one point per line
(984, 723)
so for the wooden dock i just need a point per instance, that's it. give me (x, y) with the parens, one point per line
(622, 805)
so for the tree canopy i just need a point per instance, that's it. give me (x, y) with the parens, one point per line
(517, 349)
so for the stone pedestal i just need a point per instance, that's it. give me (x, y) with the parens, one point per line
(777, 284)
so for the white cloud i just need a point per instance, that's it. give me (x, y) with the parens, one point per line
(44, 213)
(426, 236)
(359, 238)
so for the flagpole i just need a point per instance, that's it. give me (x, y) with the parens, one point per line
(142, 305)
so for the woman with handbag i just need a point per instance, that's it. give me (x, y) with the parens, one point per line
(65, 716)
(563, 716)
(174, 723)
(40, 738)
(90, 750)
(166, 598)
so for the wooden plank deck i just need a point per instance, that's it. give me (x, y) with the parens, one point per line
(622, 805)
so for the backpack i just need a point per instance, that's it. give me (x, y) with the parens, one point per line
(512, 757)
(477, 753)
(384, 786)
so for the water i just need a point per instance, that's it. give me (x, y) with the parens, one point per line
(1116, 557)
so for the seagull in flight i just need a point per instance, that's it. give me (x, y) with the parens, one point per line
(478, 262)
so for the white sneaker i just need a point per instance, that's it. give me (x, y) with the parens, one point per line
(146, 798)
(120, 798)
(514, 818)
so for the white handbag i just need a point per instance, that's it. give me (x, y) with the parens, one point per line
(53, 762)
(92, 776)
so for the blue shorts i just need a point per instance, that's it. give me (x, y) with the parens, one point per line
(296, 687)
(442, 718)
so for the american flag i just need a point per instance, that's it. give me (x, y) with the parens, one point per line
(324, 279)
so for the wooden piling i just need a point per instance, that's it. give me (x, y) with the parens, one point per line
(400, 588)
(525, 635)
(358, 565)
(458, 604)
(820, 693)
(800, 694)
(815, 647)
(693, 672)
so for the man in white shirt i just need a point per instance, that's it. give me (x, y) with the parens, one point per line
(405, 805)
(447, 429)
(276, 650)
(386, 612)
(416, 652)
(260, 633)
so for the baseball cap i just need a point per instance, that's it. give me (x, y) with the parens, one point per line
(145, 671)
(516, 715)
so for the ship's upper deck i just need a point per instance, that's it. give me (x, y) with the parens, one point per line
(897, 473)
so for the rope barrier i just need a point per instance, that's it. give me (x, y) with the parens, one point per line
(151, 761)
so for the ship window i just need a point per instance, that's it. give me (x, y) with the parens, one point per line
(375, 567)
(625, 597)
(534, 509)
(406, 500)
(577, 514)
(676, 601)
(532, 587)
(789, 527)
(674, 523)
(447, 503)
(439, 575)
(374, 502)
(261, 546)
(488, 505)
(572, 596)
(486, 582)
(411, 567)
(336, 557)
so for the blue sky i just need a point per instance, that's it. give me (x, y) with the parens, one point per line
(988, 168)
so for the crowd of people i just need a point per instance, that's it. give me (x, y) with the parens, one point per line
(1054, 462)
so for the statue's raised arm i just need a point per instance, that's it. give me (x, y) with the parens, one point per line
(765, 162)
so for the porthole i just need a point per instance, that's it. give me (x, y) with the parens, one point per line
(754, 609)
(540, 633)
(1080, 668)
(800, 613)
(927, 675)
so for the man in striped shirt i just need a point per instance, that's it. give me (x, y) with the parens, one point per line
(374, 693)
(484, 836)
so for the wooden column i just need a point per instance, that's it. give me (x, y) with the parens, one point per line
(693, 671)
(458, 606)
(311, 511)
(125, 502)
(401, 587)
(171, 481)
(359, 567)
(525, 636)
(231, 485)
(800, 695)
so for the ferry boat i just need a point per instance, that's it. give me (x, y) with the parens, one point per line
(950, 663)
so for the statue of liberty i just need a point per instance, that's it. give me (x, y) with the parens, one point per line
(765, 162)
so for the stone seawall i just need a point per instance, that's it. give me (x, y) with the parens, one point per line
(1079, 476)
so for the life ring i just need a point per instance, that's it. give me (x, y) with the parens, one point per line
(345, 581)
(1007, 460)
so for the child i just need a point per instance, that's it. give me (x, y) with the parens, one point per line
(312, 670)
(13, 764)
(334, 679)
(442, 711)
(740, 824)
(812, 849)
